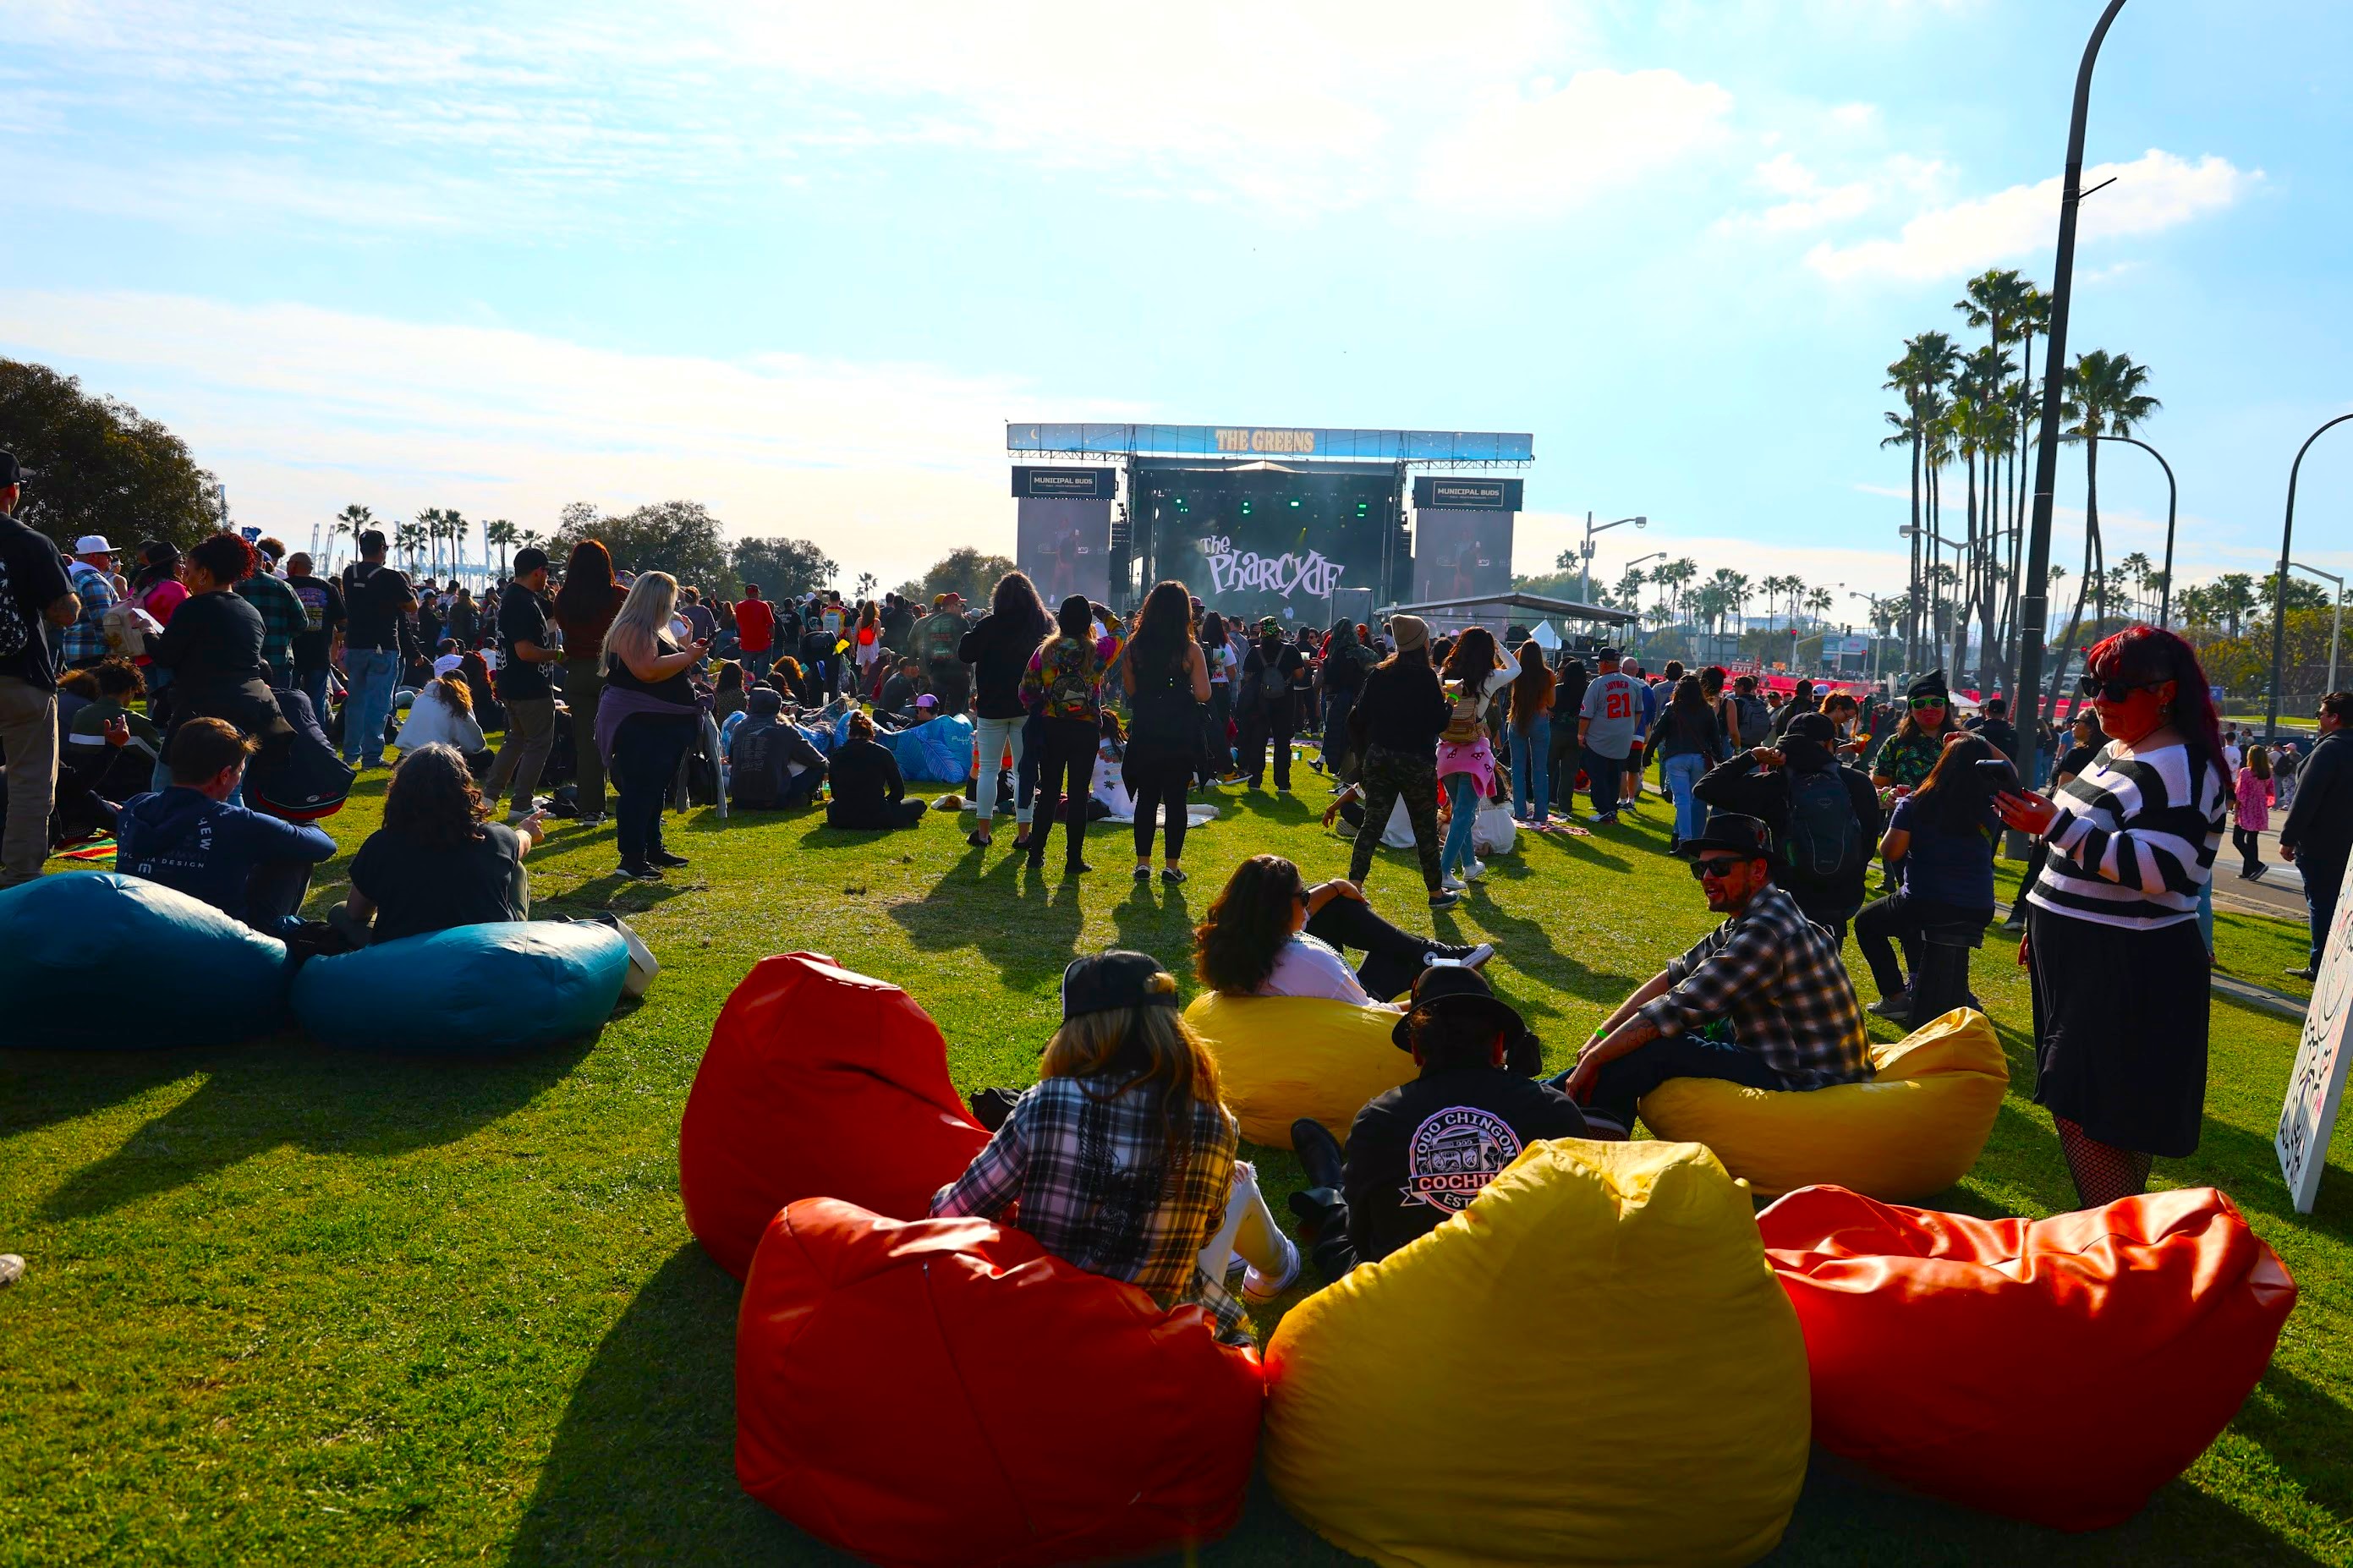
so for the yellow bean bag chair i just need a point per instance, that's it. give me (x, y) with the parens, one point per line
(1283, 1058)
(1913, 1131)
(1591, 1364)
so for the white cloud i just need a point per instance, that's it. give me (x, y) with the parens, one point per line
(301, 410)
(2156, 191)
(1601, 130)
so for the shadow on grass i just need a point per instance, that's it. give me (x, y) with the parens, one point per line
(258, 1098)
(1025, 922)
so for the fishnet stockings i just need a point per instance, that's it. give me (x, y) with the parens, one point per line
(2102, 1172)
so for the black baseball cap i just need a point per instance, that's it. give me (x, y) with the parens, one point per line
(1819, 728)
(528, 560)
(1609, 653)
(1450, 990)
(12, 472)
(372, 542)
(1104, 982)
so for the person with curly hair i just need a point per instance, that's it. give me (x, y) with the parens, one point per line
(1269, 934)
(437, 861)
(213, 647)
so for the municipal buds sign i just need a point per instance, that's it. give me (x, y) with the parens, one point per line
(1232, 571)
(2317, 1086)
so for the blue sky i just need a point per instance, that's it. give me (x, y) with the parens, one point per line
(802, 263)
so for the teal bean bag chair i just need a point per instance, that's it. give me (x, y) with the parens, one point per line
(469, 991)
(936, 753)
(74, 945)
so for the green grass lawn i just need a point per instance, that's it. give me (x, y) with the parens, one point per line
(282, 1304)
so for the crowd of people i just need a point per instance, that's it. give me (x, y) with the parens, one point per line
(193, 698)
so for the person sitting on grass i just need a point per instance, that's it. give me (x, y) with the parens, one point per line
(1763, 1000)
(443, 714)
(900, 691)
(250, 867)
(868, 789)
(437, 861)
(1120, 1159)
(1420, 1152)
(1269, 934)
(771, 765)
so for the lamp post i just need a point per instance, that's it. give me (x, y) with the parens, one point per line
(2172, 500)
(1586, 592)
(2336, 623)
(2287, 539)
(1935, 539)
(2034, 598)
(1874, 600)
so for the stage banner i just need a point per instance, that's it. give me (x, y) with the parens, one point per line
(1268, 565)
(1061, 541)
(2316, 1087)
(1447, 492)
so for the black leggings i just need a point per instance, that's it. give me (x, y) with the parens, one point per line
(1070, 745)
(646, 750)
(2249, 845)
(1900, 918)
(1157, 787)
(1393, 958)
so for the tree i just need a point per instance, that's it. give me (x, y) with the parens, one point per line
(354, 520)
(966, 570)
(99, 466)
(409, 540)
(783, 567)
(679, 537)
(502, 533)
(865, 589)
(2301, 594)
(1820, 601)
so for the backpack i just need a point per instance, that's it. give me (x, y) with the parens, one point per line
(755, 782)
(1825, 841)
(299, 777)
(1070, 683)
(1755, 720)
(941, 634)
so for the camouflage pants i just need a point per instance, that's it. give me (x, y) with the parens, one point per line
(1390, 776)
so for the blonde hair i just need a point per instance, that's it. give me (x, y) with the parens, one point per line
(645, 615)
(453, 691)
(1141, 1048)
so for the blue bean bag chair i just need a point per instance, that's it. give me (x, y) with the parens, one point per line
(71, 943)
(469, 991)
(936, 753)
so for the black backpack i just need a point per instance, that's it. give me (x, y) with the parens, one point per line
(299, 777)
(1825, 842)
(756, 781)
(1755, 720)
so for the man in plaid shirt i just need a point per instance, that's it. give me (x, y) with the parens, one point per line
(1763, 1000)
(83, 643)
(284, 617)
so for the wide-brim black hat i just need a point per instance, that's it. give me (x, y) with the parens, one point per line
(1732, 833)
(1450, 990)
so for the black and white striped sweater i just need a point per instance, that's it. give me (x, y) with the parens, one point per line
(2134, 839)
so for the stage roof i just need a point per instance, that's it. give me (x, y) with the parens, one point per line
(1570, 609)
(1449, 447)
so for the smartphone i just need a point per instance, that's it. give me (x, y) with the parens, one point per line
(2001, 774)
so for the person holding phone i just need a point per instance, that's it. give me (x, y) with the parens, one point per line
(647, 717)
(1939, 845)
(2119, 971)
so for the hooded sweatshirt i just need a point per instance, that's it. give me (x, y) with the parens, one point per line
(207, 849)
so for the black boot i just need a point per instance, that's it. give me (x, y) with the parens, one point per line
(1318, 1152)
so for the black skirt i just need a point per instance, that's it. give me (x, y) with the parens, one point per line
(2120, 1020)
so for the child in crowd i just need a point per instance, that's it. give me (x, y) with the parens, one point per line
(1120, 1157)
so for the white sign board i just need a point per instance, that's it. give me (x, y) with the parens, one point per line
(2317, 1085)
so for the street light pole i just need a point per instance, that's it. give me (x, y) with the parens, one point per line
(1587, 592)
(2336, 622)
(2034, 600)
(2172, 503)
(2288, 540)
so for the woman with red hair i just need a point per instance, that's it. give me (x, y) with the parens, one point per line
(2119, 971)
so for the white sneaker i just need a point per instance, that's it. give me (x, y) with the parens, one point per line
(1475, 870)
(1479, 955)
(12, 1269)
(1451, 882)
(1258, 1289)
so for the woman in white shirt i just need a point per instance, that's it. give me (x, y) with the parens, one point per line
(443, 714)
(1269, 935)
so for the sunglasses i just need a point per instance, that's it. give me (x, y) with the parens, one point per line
(1920, 702)
(2114, 690)
(1717, 868)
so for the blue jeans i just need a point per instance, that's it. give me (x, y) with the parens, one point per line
(993, 736)
(1463, 789)
(1681, 773)
(1601, 776)
(313, 684)
(1531, 770)
(2320, 889)
(367, 704)
(757, 665)
(1620, 1086)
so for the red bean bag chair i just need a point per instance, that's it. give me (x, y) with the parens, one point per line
(819, 1082)
(948, 1392)
(2057, 1371)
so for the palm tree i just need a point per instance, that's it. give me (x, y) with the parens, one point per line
(1670, 575)
(2134, 572)
(1820, 601)
(501, 532)
(1927, 359)
(409, 539)
(354, 520)
(2104, 397)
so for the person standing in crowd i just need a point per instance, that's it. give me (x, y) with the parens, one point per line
(192, 836)
(1570, 681)
(1274, 666)
(437, 861)
(2119, 971)
(1824, 818)
(1712, 686)
(1801, 701)
(1753, 720)
(1466, 756)
(1477, 1059)
(1064, 685)
(2231, 757)
(1269, 934)
(2252, 814)
(1939, 843)
(1531, 737)
(1688, 742)
(1405, 712)
(2318, 833)
(1763, 1000)
(1909, 755)
(465, 617)
(90, 574)
(869, 792)
(321, 638)
(375, 597)
(213, 647)
(1629, 777)
(283, 615)
(1342, 675)
(2085, 741)
(584, 607)
(756, 631)
(1167, 680)
(526, 645)
(35, 595)
(2284, 763)
(898, 624)
(1606, 720)
(646, 719)
(866, 649)
(999, 650)
(939, 638)
(1993, 723)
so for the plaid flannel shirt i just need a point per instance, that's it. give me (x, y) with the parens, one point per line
(86, 639)
(284, 617)
(1777, 978)
(1086, 1168)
